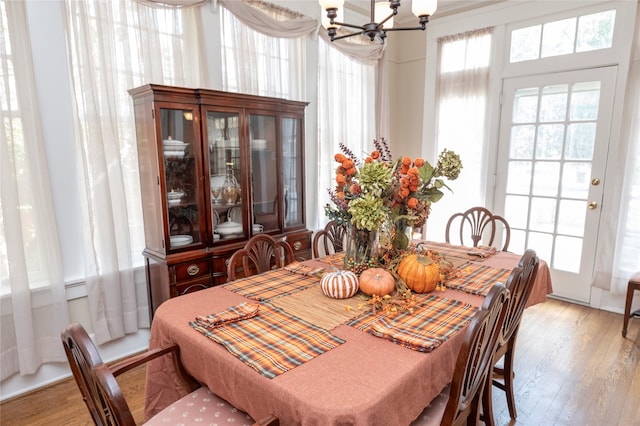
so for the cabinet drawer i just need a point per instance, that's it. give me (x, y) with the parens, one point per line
(220, 264)
(190, 286)
(299, 244)
(301, 247)
(189, 270)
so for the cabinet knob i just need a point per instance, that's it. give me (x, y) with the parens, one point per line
(226, 262)
(193, 270)
(297, 245)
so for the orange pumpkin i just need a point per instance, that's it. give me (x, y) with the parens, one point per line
(419, 272)
(376, 281)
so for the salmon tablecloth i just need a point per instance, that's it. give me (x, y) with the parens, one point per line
(367, 380)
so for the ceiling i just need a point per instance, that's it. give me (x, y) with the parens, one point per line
(445, 7)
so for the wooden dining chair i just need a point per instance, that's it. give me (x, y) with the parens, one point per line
(520, 284)
(261, 253)
(632, 286)
(107, 405)
(475, 222)
(461, 404)
(329, 240)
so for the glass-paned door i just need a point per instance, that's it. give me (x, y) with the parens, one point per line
(553, 144)
(182, 186)
(223, 139)
(264, 175)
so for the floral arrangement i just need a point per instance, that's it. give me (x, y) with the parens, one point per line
(380, 191)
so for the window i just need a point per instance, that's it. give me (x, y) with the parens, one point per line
(573, 35)
(346, 98)
(143, 45)
(23, 231)
(462, 86)
(258, 64)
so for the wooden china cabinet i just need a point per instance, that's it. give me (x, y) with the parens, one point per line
(215, 169)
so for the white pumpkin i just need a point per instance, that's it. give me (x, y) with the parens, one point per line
(339, 284)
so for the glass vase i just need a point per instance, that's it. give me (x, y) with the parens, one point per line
(401, 234)
(362, 249)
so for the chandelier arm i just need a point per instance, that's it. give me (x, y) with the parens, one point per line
(342, 24)
(347, 35)
(423, 27)
(391, 15)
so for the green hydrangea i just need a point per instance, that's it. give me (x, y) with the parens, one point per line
(368, 212)
(449, 165)
(375, 178)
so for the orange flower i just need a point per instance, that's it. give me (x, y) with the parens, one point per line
(404, 192)
(412, 203)
(368, 160)
(375, 155)
(347, 163)
(406, 161)
(340, 179)
(351, 171)
(340, 170)
(413, 187)
(419, 162)
(404, 169)
(404, 182)
(355, 189)
(339, 157)
(413, 171)
(340, 195)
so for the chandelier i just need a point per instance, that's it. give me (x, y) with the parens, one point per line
(382, 14)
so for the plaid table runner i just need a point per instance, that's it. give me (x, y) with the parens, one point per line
(271, 342)
(476, 278)
(275, 283)
(423, 330)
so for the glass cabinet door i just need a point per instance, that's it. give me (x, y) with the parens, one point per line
(223, 137)
(180, 153)
(292, 169)
(264, 173)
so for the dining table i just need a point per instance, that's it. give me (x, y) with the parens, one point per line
(274, 344)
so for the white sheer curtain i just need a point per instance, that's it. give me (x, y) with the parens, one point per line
(346, 113)
(263, 49)
(33, 301)
(462, 86)
(627, 245)
(115, 46)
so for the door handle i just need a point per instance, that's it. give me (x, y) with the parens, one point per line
(595, 181)
(592, 205)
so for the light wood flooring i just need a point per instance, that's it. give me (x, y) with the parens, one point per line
(573, 367)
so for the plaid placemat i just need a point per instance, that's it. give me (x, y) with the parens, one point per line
(271, 284)
(272, 342)
(422, 330)
(446, 249)
(476, 278)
